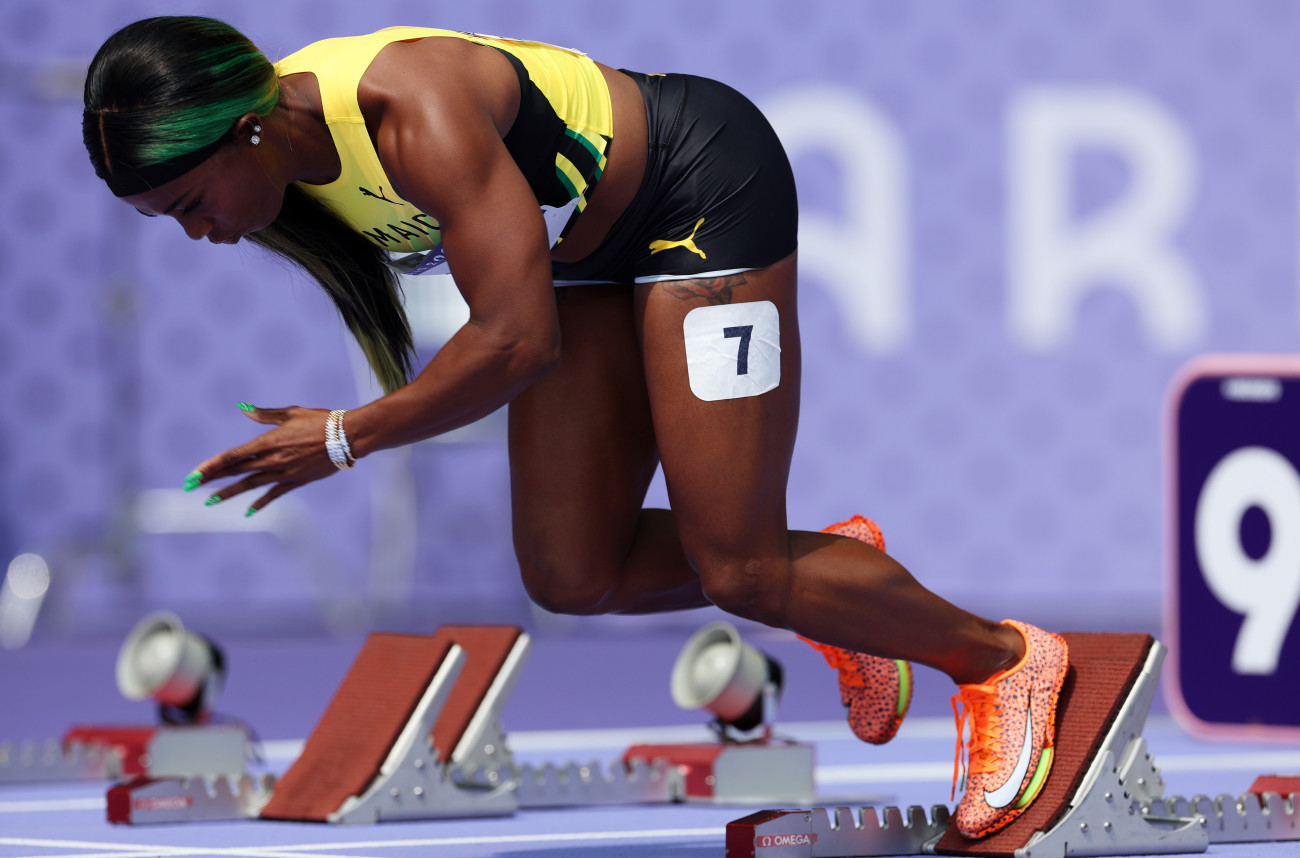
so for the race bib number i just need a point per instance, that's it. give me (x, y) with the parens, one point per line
(733, 350)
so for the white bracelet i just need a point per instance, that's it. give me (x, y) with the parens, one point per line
(336, 441)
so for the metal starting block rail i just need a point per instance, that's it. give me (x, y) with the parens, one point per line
(91, 753)
(53, 761)
(1248, 818)
(838, 832)
(723, 773)
(574, 785)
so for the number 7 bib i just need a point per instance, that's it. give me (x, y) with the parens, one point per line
(733, 350)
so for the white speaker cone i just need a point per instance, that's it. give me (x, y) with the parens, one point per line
(161, 659)
(718, 671)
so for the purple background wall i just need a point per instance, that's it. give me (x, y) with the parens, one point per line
(1018, 219)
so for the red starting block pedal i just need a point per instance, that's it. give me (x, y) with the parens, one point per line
(146, 800)
(759, 772)
(1284, 785)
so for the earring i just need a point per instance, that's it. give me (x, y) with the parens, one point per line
(256, 138)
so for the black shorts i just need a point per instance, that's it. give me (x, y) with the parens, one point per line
(718, 195)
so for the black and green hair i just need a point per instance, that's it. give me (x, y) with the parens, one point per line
(164, 94)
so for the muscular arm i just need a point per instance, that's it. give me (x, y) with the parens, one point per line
(444, 152)
(441, 143)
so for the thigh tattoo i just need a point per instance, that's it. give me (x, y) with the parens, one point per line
(715, 290)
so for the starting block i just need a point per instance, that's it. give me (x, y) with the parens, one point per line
(177, 773)
(414, 733)
(390, 740)
(146, 800)
(1092, 803)
(729, 772)
(747, 764)
(413, 723)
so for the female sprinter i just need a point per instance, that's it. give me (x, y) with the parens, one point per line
(626, 245)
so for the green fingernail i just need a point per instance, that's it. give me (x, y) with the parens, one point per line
(250, 513)
(212, 501)
(245, 407)
(193, 480)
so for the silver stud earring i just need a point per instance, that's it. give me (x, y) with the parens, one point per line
(256, 138)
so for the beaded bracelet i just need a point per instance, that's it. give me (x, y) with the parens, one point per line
(336, 441)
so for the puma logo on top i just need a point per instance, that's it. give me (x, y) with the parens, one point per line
(379, 196)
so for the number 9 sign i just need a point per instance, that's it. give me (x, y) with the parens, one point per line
(1233, 503)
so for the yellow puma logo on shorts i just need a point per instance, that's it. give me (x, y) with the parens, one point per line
(688, 243)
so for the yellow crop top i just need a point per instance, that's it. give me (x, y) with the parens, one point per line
(558, 139)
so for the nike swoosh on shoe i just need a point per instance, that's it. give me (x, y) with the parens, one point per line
(1005, 794)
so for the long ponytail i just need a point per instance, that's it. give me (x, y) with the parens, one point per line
(352, 272)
